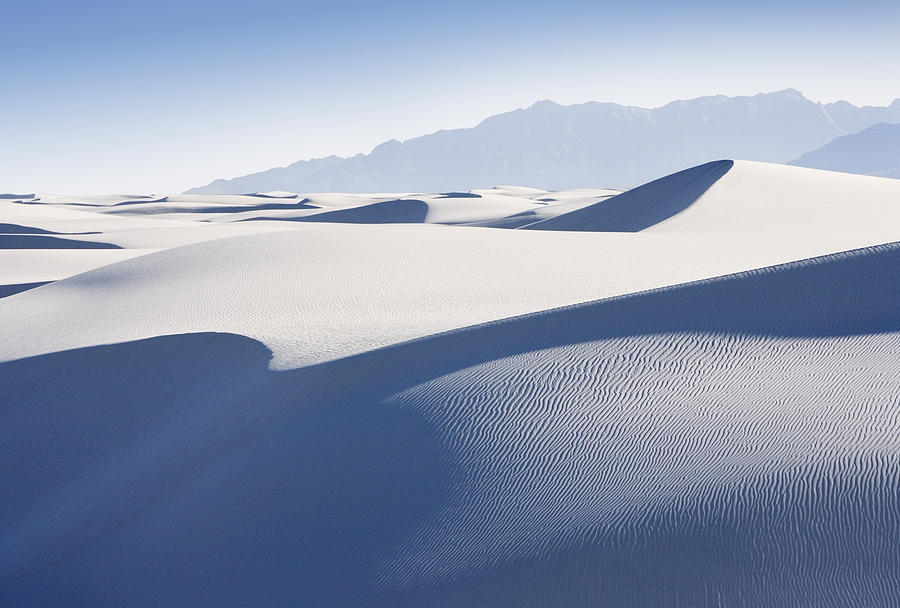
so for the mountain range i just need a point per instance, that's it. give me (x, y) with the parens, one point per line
(552, 146)
(872, 151)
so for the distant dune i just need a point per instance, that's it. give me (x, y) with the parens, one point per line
(684, 394)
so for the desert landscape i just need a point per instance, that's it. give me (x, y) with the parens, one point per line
(683, 394)
(397, 304)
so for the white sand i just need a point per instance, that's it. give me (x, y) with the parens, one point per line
(322, 292)
(373, 423)
(732, 197)
(763, 197)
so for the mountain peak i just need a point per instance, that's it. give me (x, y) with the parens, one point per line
(794, 93)
(391, 144)
(546, 103)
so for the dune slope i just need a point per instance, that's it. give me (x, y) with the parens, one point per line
(325, 409)
(745, 197)
(728, 442)
(326, 291)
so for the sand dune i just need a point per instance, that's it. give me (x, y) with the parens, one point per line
(644, 206)
(744, 197)
(23, 266)
(329, 291)
(147, 223)
(444, 208)
(732, 441)
(681, 395)
(60, 237)
(276, 194)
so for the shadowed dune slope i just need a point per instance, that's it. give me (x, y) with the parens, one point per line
(12, 289)
(140, 208)
(448, 208)
(744, 197)
(6, 229)
(41, 241)
(728, 442)
(643, 206)
(409, 211)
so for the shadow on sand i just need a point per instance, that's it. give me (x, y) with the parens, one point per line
(641, 207)
(179, 470)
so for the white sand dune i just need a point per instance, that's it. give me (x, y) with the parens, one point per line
(731, 442)
(347, 412)
(329, 291)
(745, 197)
(147, 223)
(47, 241)
(92, 224)
(363, 209)
(277, 194)
(555, 204)
(492, 205)
(41, 265)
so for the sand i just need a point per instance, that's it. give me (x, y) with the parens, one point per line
(681, 395)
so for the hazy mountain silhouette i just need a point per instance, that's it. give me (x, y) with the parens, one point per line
(593, 144)
(874, 151)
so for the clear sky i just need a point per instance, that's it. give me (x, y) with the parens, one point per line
(141, 97)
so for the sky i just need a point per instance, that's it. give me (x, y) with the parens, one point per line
(156, 97)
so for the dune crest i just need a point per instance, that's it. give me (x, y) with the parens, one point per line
(743, 197)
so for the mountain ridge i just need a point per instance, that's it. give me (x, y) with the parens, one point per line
(872, 151)
(553, 146)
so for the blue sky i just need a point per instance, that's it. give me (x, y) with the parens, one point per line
(161, 96)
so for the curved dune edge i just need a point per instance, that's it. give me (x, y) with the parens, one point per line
(325, 292)
(644, 206)
(743, 197)
(412, 211)
(11, 289)
(729, 441)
